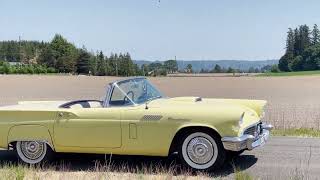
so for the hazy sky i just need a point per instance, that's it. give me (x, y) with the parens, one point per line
(153, 30)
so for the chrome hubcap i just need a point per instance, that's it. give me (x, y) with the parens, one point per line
(32, 149)
(200, 150)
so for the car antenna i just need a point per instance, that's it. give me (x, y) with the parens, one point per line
(147, 105)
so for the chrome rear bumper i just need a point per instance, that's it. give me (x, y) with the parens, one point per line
(246, 141)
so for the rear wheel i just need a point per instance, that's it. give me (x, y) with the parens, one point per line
(202, 151)
(33, 152)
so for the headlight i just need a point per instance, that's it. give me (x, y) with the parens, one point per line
(241, 119)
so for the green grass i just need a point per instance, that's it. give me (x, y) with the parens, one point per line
(241, 175)
(298, 73)
(302, 132)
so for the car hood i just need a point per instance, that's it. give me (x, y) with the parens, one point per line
(244, 104)
(209, 108)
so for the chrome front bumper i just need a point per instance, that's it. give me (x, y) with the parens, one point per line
(246, 141)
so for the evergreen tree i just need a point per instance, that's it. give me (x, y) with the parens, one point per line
(297, 42)
(83, 62)
(217, 69)
(93, 65)
(305, 39)
(315, 39)
(47, 58)
(112, 64)
(116, 64)
(64, 53)
(108, 68)
(102, 66)
(131, 70)
(290, 42)
(121, 65)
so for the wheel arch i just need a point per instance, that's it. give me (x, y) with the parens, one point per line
(188, 129)
(30, 133)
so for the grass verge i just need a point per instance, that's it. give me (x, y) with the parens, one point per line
(241, 175)
(302, 132)
(107, 171)
(298, 73)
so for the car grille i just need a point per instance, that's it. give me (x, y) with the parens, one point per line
(250, 130)
(255, 130)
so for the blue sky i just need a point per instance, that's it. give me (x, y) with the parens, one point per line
(188, 29)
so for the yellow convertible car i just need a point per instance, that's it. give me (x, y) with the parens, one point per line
(135, 119)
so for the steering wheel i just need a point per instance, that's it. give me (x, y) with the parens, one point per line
(125, 99)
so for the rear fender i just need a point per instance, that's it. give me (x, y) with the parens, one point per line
(30, 133)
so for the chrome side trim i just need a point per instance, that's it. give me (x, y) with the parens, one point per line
(108, 96)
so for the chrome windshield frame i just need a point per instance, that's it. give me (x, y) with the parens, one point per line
(111, 86)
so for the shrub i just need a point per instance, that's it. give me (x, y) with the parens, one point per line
(6, 68)
(275, 68)
(51, 70)
(1, 70)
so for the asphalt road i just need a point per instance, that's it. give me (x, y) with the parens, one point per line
(284, 158)
(280, 158)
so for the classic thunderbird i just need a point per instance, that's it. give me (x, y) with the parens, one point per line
(135, 119)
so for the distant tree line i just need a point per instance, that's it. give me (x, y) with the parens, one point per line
(218, 69)
(302, 50)
(61, 56)
(160, 69)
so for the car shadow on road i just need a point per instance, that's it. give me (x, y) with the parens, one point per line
(133, 164)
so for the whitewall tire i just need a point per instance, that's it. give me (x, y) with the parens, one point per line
(33, 152)
(202, 151)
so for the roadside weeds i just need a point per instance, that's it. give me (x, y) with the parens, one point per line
(301, 132)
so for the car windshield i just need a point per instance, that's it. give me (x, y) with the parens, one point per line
(134, 91)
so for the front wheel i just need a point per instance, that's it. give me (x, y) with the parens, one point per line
(33, 152)
(202, 151)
